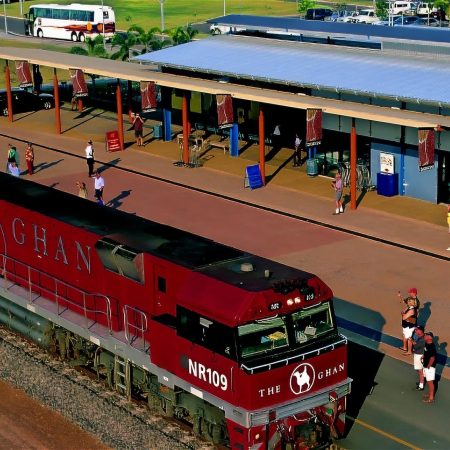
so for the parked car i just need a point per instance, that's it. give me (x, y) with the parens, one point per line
(403, 7)
(405, 20)
(365, 16)
(24, 101)
(318, 13)
(425, 9)
(426, 22)
(215, 28)
(341, 16)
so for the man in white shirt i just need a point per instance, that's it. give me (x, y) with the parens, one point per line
(89, 150)
(99, 185)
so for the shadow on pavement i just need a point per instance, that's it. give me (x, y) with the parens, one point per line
(42, 166)
(117, 201)
(363, 366)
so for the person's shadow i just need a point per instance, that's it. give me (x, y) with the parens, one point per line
(424, 314)
(117, 201)
(46, 165)
(442, 360)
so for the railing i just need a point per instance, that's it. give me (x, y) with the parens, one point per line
(40, 284)
(136, 325)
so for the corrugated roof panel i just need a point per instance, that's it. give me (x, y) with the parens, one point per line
(322, 66)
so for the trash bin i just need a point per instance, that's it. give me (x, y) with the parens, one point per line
(387, 184)
(157, 131)
(312, 167)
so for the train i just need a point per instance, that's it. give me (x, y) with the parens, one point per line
(244, 349)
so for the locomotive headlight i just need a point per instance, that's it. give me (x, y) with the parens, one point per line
(297, 300)
(290, 302)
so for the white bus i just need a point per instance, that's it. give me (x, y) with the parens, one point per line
(74, 21)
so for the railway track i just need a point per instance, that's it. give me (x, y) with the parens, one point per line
(84, 400)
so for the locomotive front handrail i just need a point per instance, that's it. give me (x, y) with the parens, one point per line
(290, 359)
(40, 289)
(137, 329)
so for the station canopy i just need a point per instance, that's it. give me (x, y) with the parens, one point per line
(375, 73)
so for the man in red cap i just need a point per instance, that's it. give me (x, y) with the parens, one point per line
(409, 318)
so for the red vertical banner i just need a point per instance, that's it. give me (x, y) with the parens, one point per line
(224, 110)
(149, 96)
(426, 149)
(24, 74)
(313, 127)
(78, 83)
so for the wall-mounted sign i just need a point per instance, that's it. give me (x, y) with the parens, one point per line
(386, 163)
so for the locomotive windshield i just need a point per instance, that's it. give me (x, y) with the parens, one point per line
(262, 336)
(279, 333)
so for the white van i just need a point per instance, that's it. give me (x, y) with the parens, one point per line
(402, 7)
(365, 16)
(425, 9)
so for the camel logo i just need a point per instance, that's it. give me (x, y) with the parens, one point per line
(302, 378)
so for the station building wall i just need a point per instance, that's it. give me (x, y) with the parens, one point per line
(412, 182)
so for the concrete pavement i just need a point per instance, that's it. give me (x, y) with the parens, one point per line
(401, 220)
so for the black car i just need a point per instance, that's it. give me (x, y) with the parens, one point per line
(318, 13)
(23, 101)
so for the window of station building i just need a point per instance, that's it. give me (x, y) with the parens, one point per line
(121, 259)
(263, 336)
(312, 323)
(206, 332)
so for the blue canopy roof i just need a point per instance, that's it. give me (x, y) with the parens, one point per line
(364, 71)
(293, 24)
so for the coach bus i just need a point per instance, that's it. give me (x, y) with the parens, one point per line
(73, 22)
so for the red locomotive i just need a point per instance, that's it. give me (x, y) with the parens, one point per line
(244, 348)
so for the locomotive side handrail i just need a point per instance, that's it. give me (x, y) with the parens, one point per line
(139, 331)
(301, 356)
(59, 287)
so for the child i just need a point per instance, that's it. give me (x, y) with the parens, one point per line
(82, 189)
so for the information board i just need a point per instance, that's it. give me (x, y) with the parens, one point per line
(112, 141)
(253, 178)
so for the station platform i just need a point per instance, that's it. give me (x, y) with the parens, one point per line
(411, 223)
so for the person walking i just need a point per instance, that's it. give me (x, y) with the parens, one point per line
(29, 157)
(82, 189)
(418, 346)
(337, 185)
(138, 125)
(409, 319)
(297, 158)
(12, 156)
(429, 366)
(89, 150)
(99, 185)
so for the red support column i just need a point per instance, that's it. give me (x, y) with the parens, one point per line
(186, 129)
(262, 144)
(8, 92)
(57, 108)
(119, 114)
(353, 166)
(130, 100)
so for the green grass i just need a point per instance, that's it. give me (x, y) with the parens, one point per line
(146, 13)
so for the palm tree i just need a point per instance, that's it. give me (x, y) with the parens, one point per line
(125, 42)
(94, 47)
(181, 35)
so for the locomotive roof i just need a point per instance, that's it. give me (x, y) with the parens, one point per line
(180, 247)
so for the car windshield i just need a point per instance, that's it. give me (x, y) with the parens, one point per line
(279, 333)
(364, 13)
